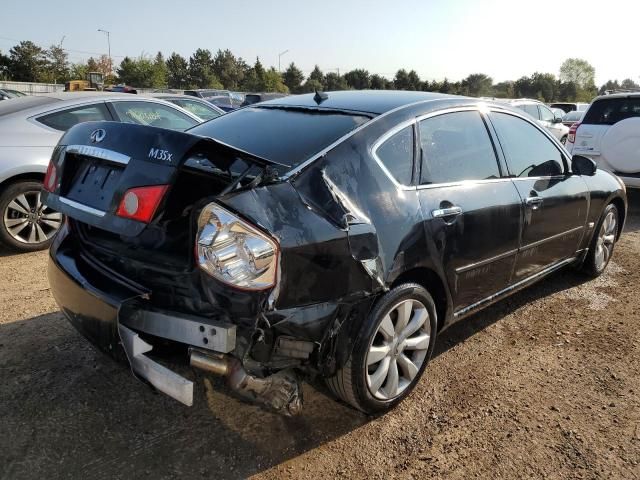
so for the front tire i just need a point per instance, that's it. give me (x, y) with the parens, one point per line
(390, 352)
(26, 224)
(602, 243)
(563, 140)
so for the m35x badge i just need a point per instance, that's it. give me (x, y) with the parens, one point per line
(97, 135)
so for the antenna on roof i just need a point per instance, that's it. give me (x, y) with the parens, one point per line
(320, 97)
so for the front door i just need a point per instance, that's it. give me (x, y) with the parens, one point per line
(472, 211)
(555, 203)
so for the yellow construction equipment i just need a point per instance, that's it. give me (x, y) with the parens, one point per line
(93, 82)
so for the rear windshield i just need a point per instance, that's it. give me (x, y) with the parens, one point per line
(611, 110)
(286, 136)
(573, 116)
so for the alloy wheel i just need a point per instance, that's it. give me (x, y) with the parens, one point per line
(606, 239)
(30, 221)
(398, 349)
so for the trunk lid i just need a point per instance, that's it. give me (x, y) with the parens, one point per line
(98, 162)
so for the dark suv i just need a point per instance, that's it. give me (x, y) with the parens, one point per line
(331, 235)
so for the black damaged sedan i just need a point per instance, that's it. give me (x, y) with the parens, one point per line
(332, 235)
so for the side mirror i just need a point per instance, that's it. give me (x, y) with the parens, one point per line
(583, 165)
(557, 120)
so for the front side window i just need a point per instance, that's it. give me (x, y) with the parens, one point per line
(153, 114)
(456, 147)
(546, 114)
(396, 154)
(529, 152)
(66, 119)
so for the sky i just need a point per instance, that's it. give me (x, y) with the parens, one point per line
(504, 39)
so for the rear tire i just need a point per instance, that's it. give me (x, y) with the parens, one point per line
(602, 243)
(390, 352)
(26, 225)
(563, 140)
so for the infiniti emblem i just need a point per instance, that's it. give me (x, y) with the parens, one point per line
(97, 135)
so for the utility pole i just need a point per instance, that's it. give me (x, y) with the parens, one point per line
(109, 47)
(279, 57)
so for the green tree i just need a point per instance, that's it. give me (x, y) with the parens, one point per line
(445, 86)
(27, 62)
(137, 72)
(273, 82)
(629, 84)
(229, 69)
(610, 85)
(504, 90)
(378, 82)
(177, 71)
(317, 75)
(477, 85)
(255, 78)
(160, 72)
(57, 64)
(78, 71)
(293, 78)
(334, 82)
(401, 80)
(4, 66)
(201, 70)
(578, 71)
(312, 85)
(358, 79)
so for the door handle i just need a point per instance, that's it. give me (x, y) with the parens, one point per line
(446, 212)
(534, 202)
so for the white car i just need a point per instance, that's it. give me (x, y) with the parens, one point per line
(543, 115)
(609, 133)
(30, 128)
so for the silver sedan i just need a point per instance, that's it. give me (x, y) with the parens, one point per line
(30, 127)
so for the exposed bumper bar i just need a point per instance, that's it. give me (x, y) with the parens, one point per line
(160, 377)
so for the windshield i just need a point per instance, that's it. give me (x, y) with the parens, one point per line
(287, 136)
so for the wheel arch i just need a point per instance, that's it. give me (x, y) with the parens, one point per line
(33, 176)
(434, 284)
(622, 213)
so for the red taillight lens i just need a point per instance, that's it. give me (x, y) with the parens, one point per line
(50, 178)
(141, 203)
(572, 132)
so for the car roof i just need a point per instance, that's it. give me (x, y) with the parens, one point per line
(18, 104)
(619, 95)
(367, 101)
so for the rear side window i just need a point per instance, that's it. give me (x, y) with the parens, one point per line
(200, 109)
(529, 152)
(455, 147)
(396, 154)
(287, 136)
(612, 110)
(66, 119)
(531, 109)
(153, 114)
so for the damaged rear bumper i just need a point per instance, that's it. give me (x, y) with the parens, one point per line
(118, 323)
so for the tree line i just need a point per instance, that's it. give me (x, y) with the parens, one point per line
(203, 69)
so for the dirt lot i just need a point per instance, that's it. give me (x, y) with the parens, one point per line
(543, 385)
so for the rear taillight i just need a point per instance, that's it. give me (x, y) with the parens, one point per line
(141, 203)
(572, 132)
(233, 251)
(51, 178)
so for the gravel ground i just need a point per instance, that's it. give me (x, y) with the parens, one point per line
(545, 384)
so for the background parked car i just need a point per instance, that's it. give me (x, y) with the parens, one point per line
(6, 94)
(30, 127)
(570, 106)
(251, 98)
(198, 106)
(572, 117)
(544, 116)
(223, 99)
(609, 133)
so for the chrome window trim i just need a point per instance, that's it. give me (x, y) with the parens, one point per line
(327, 149)
(486, 261)
(82, 207)
(98, 152)
(463, 183)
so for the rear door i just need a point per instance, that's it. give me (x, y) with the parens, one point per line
(555, 202)
(472, 210)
